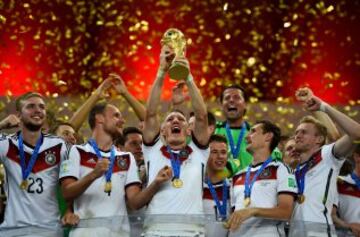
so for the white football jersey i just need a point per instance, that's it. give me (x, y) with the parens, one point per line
(208, 200)
(37, 205)
(275, 179)
(95, 202)
(320, 186)
(214, 228)
(169, 200)
(348, 204)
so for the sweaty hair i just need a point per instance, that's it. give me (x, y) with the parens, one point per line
(233, 87)
(320, 128)
(97, 109)
(130, 130)
(19, 101)
(218, 138)
(269, 127)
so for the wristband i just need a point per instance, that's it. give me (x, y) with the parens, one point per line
(323, 106)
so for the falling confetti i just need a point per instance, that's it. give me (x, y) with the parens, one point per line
(67, 48)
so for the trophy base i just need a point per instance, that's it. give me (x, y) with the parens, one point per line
(178, 72)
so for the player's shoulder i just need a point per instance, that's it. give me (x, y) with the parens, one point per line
(280, 166)
(82, 147)
(123, 153)
(51, 140)
(3, 136)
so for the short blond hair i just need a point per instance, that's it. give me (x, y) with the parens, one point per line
(321, 130)
(22, 98)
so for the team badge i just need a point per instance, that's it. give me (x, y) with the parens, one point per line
(50, 158)
(122, 163)
(265, 174)
(183, 154)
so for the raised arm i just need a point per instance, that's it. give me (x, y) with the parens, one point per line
(151, 122)
(344, 145)
(11, 121)
(199, 108)
(82, 113)
(178, 97)
(333, 133)
(121, 88)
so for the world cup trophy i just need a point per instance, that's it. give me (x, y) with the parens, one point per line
(175, 39)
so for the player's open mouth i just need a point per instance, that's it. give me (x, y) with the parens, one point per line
(175, 130)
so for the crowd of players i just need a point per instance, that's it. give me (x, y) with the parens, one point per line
(243, 174)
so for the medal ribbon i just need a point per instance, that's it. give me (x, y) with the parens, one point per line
(300, 177)
(248, 185)
(108, 173)
(175, 163)
(25, 171)
(235, 150)
(356, 179)
(221, 207)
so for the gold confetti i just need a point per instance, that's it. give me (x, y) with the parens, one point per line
(68, 48)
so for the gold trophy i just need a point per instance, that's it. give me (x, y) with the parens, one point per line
(175, 39)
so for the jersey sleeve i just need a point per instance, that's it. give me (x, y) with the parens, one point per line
(70, 165)
(132, 176)
(65, 150)
(149, 148)
(203, 150)
(328, 155)
(286, 181)
(4, 146)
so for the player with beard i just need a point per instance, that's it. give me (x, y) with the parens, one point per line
(320, 164)
(183, 195)
(32, 161)
(98, 178)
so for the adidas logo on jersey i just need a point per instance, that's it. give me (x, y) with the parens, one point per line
(91, 161)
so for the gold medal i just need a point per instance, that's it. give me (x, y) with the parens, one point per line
(24, 184)
(301, 198)
(108, 187)
(177, 183)
(247, 202)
